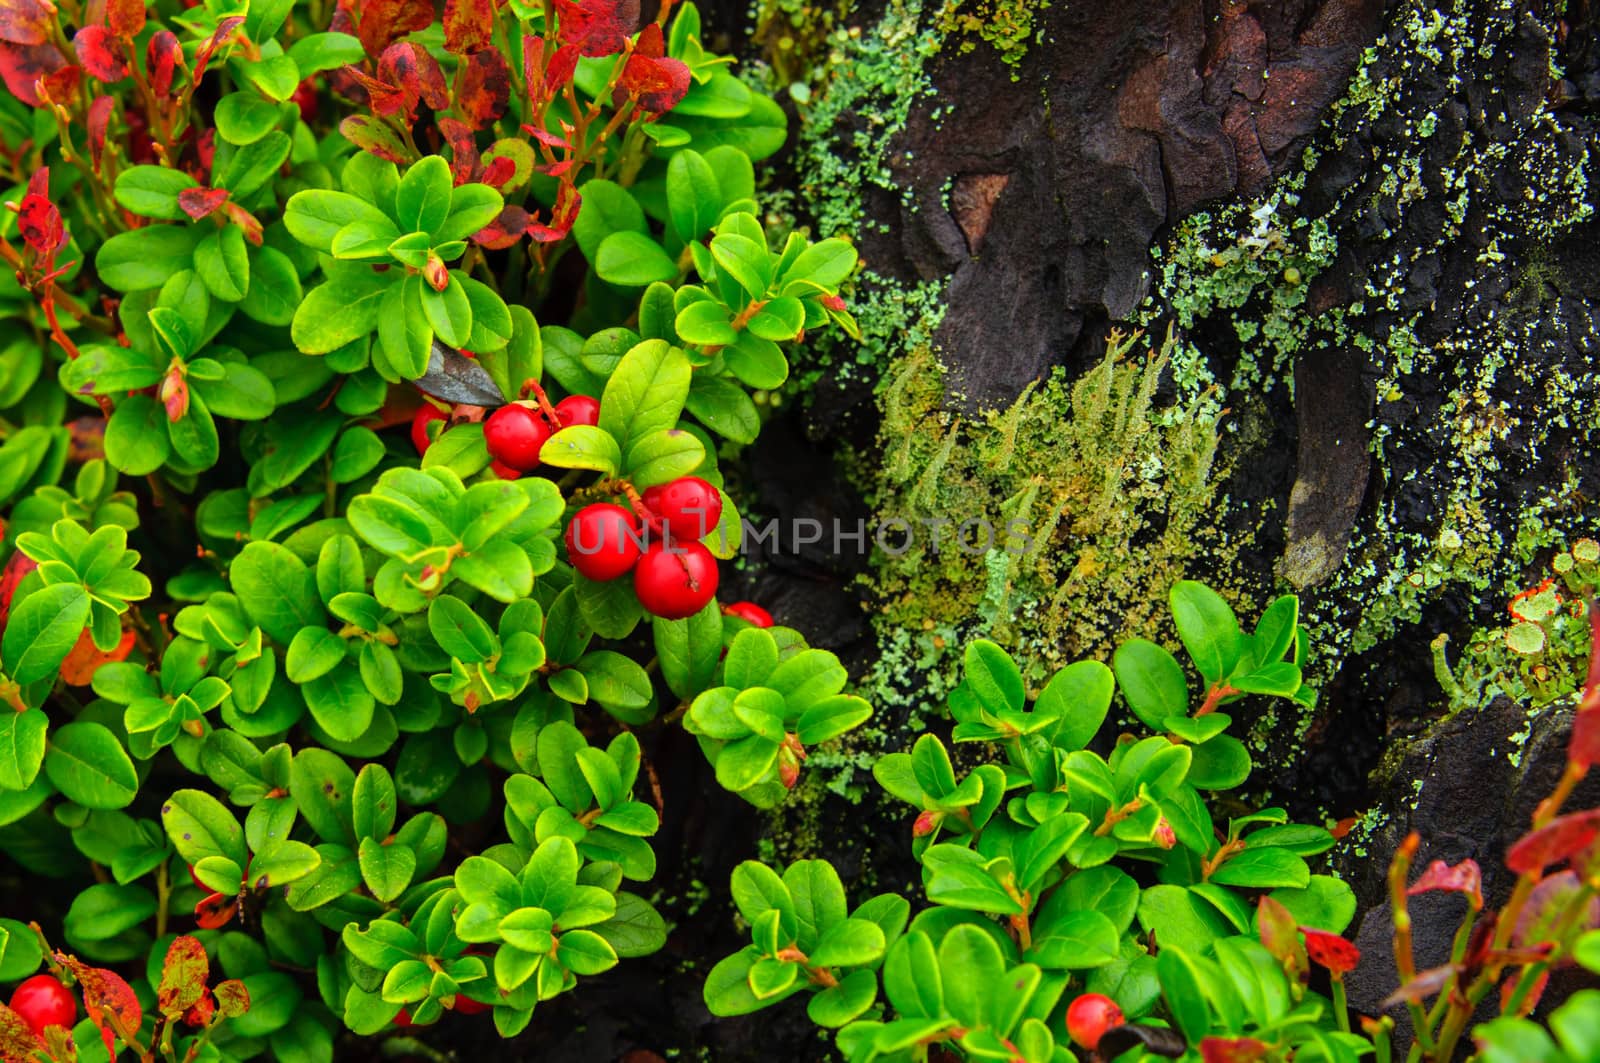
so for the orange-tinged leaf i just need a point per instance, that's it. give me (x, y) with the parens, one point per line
(232, 998)
(1233, 1050)
(105, 995)
(379, 23)
(599, 27)
(85, 658)
(18, 1042)
(125, 17)
(468, 25)
(485, 88)
(183, 976)
(100, 53)
(1280, 935)
(652, 79)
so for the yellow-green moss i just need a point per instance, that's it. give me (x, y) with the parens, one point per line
(1007, 25)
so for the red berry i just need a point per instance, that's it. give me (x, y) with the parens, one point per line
(404, 1018)
(43, 1001)
(677, 581)
(305, 97)
(604, 541)
(1089, 1017)
(514, 435)
(578, 409)
(749, 611)
(688, 506)
(426, 415)
(467, 1006)
(504, 471)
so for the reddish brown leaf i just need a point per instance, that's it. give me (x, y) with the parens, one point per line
(215, 910)
(413, 68)
(567, 204)
(1280, 935)
(1233, 1050)
(599, 27)
(505, 230)
(26, 21)
(100, 112)
(656, 82)
(1531, 1000)
(373, 136)
(544, 136)
(125, 17)
(162, 55)
(232, 998)
(17, 568)
(532, 59)
(379, 23)
(17, 1039)
(1558, 840)
(485, 88)
(1331, 951)
(500, 170)
(183, 976)
(219, 36)
(1423, 986)
(1551, 902)
(237, 215)
(39, 222)
(468, 25)
(61, 86)
(105, 994)
(1584, 746)
(201, 202)
(464, 158)
(100, 53)
(562, 66)
(22, 65)
(1465, 877)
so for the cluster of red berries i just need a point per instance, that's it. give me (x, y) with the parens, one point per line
(43, 1001)
(674, 575)
(515, 433)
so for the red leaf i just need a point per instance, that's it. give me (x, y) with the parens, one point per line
(201, 202)
(215, 910)
(162, 55)
(26, 21)
(1331, 951)
(253, 232)
(657, 83)
(183, 976)
(13, 574)
(485, 88)
(1584, 746)
(505, 230)
(61, 86)
(562, 66)
(499, 171)
(125, 17)
(105, 993)
(1529, 1002)
(39, 222)
(468, 25)
(17, 1039)
(544, 136)
(100, 53)
(567, 203)
(200, 1014)
(1465, 877)
(599, 27)
(379, 23)
(100, 112)
(1552, 900)
(465, 160)
(1558, 840)
(22, 65)
(532, 59)
(85, 658)
(1232, 1050)
(220, 36)
(1423, 986)
(413, 68)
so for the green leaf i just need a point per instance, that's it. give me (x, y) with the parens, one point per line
(747, 262)
(633, 260)
(386, 869)
(42, 630)
(723, 407)
(848, 943)
(826, 264)
(274, 292)
(491, 319)
(200, 826)
(315, 216)
(688, 650)
(136, 436)
(1074, 940)
(277, 589)
(423, 201)
(22, 747)
(1264, 868)
(706, 322)
(145, 258)
(1208, 628)
(1152, 681)
(472, 206)
(663, 456)
(607, 208)
(321, 785)
(694, 198)
(646, 392)
(758, 363)
(344, 309)
(583, 446)
(993, 676)
(104, 910)
(152, 191)
(254, 164)
(1220, 763)
(316, 52)
(449, 312)
(244, 117)
(459, 630)
(1078, 698)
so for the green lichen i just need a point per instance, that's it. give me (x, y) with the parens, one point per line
(1007, 25)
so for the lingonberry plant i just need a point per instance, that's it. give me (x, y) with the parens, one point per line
(365, 376)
